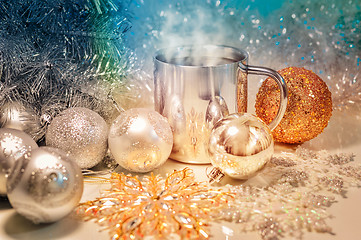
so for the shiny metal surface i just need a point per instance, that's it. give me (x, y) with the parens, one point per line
(13, 145)
(281, 85)
(195, 86)
(140, 140)
(240, 145)
(45, 185)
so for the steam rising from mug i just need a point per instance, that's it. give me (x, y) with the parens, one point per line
(164, 24)
(196, 56)
(198, 25)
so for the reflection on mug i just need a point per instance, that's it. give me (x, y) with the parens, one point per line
(196, 86)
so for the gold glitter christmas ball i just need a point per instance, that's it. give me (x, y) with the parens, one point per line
(309, 105)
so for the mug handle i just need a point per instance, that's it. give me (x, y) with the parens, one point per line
(281, 85)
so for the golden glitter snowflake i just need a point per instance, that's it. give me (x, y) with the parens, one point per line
(176, 207)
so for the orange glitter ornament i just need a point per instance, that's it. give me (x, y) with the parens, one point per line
(309, 105)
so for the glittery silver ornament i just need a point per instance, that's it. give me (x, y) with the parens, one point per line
(240, 145)
(82, 133)
(45, 185)
(13, 144)
(140, 139)
(16, 115)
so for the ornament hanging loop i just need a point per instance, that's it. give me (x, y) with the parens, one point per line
(247, 69)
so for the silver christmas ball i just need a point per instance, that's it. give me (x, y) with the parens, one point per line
(240, 145)
(20, 116)
(13, 145)
(80, 132)
(140, 140)
(45, 185)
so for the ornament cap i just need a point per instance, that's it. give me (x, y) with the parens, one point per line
(215, 175)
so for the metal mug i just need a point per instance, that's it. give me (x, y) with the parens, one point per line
(195, 86)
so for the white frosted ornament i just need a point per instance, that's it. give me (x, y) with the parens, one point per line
(82, 133)
(45, 185)
(13, 145)
(140, 139)
(239, 145)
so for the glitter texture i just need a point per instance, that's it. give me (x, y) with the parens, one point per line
(300, 187)
(80, 132)
(309, 105)
(176, 207)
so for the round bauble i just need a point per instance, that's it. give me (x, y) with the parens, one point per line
(140, 139)
(309, 105)
(82, 133)
(13, 145)
(20, 116)
(240, 145)
(45, 185)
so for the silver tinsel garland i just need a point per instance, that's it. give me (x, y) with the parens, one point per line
(65, 53)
